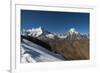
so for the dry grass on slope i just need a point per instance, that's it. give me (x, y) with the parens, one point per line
(70, 50)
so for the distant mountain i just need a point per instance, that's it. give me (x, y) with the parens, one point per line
(72, 34)
(37, 32)
(40, 32)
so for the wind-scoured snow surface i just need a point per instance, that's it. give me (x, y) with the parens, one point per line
(31, 53)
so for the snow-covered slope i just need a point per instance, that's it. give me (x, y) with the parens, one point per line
(50, 36)
(62, 36)
(31, 53)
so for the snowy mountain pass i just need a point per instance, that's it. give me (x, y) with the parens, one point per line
(31, 52)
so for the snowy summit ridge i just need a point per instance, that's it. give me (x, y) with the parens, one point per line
(41, 32)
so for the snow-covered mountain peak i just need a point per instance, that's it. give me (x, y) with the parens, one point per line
(73, 30)
(36, 31)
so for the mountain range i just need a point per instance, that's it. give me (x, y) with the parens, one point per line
(40, 32)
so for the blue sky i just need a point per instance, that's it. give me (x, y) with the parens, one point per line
(58, 22)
